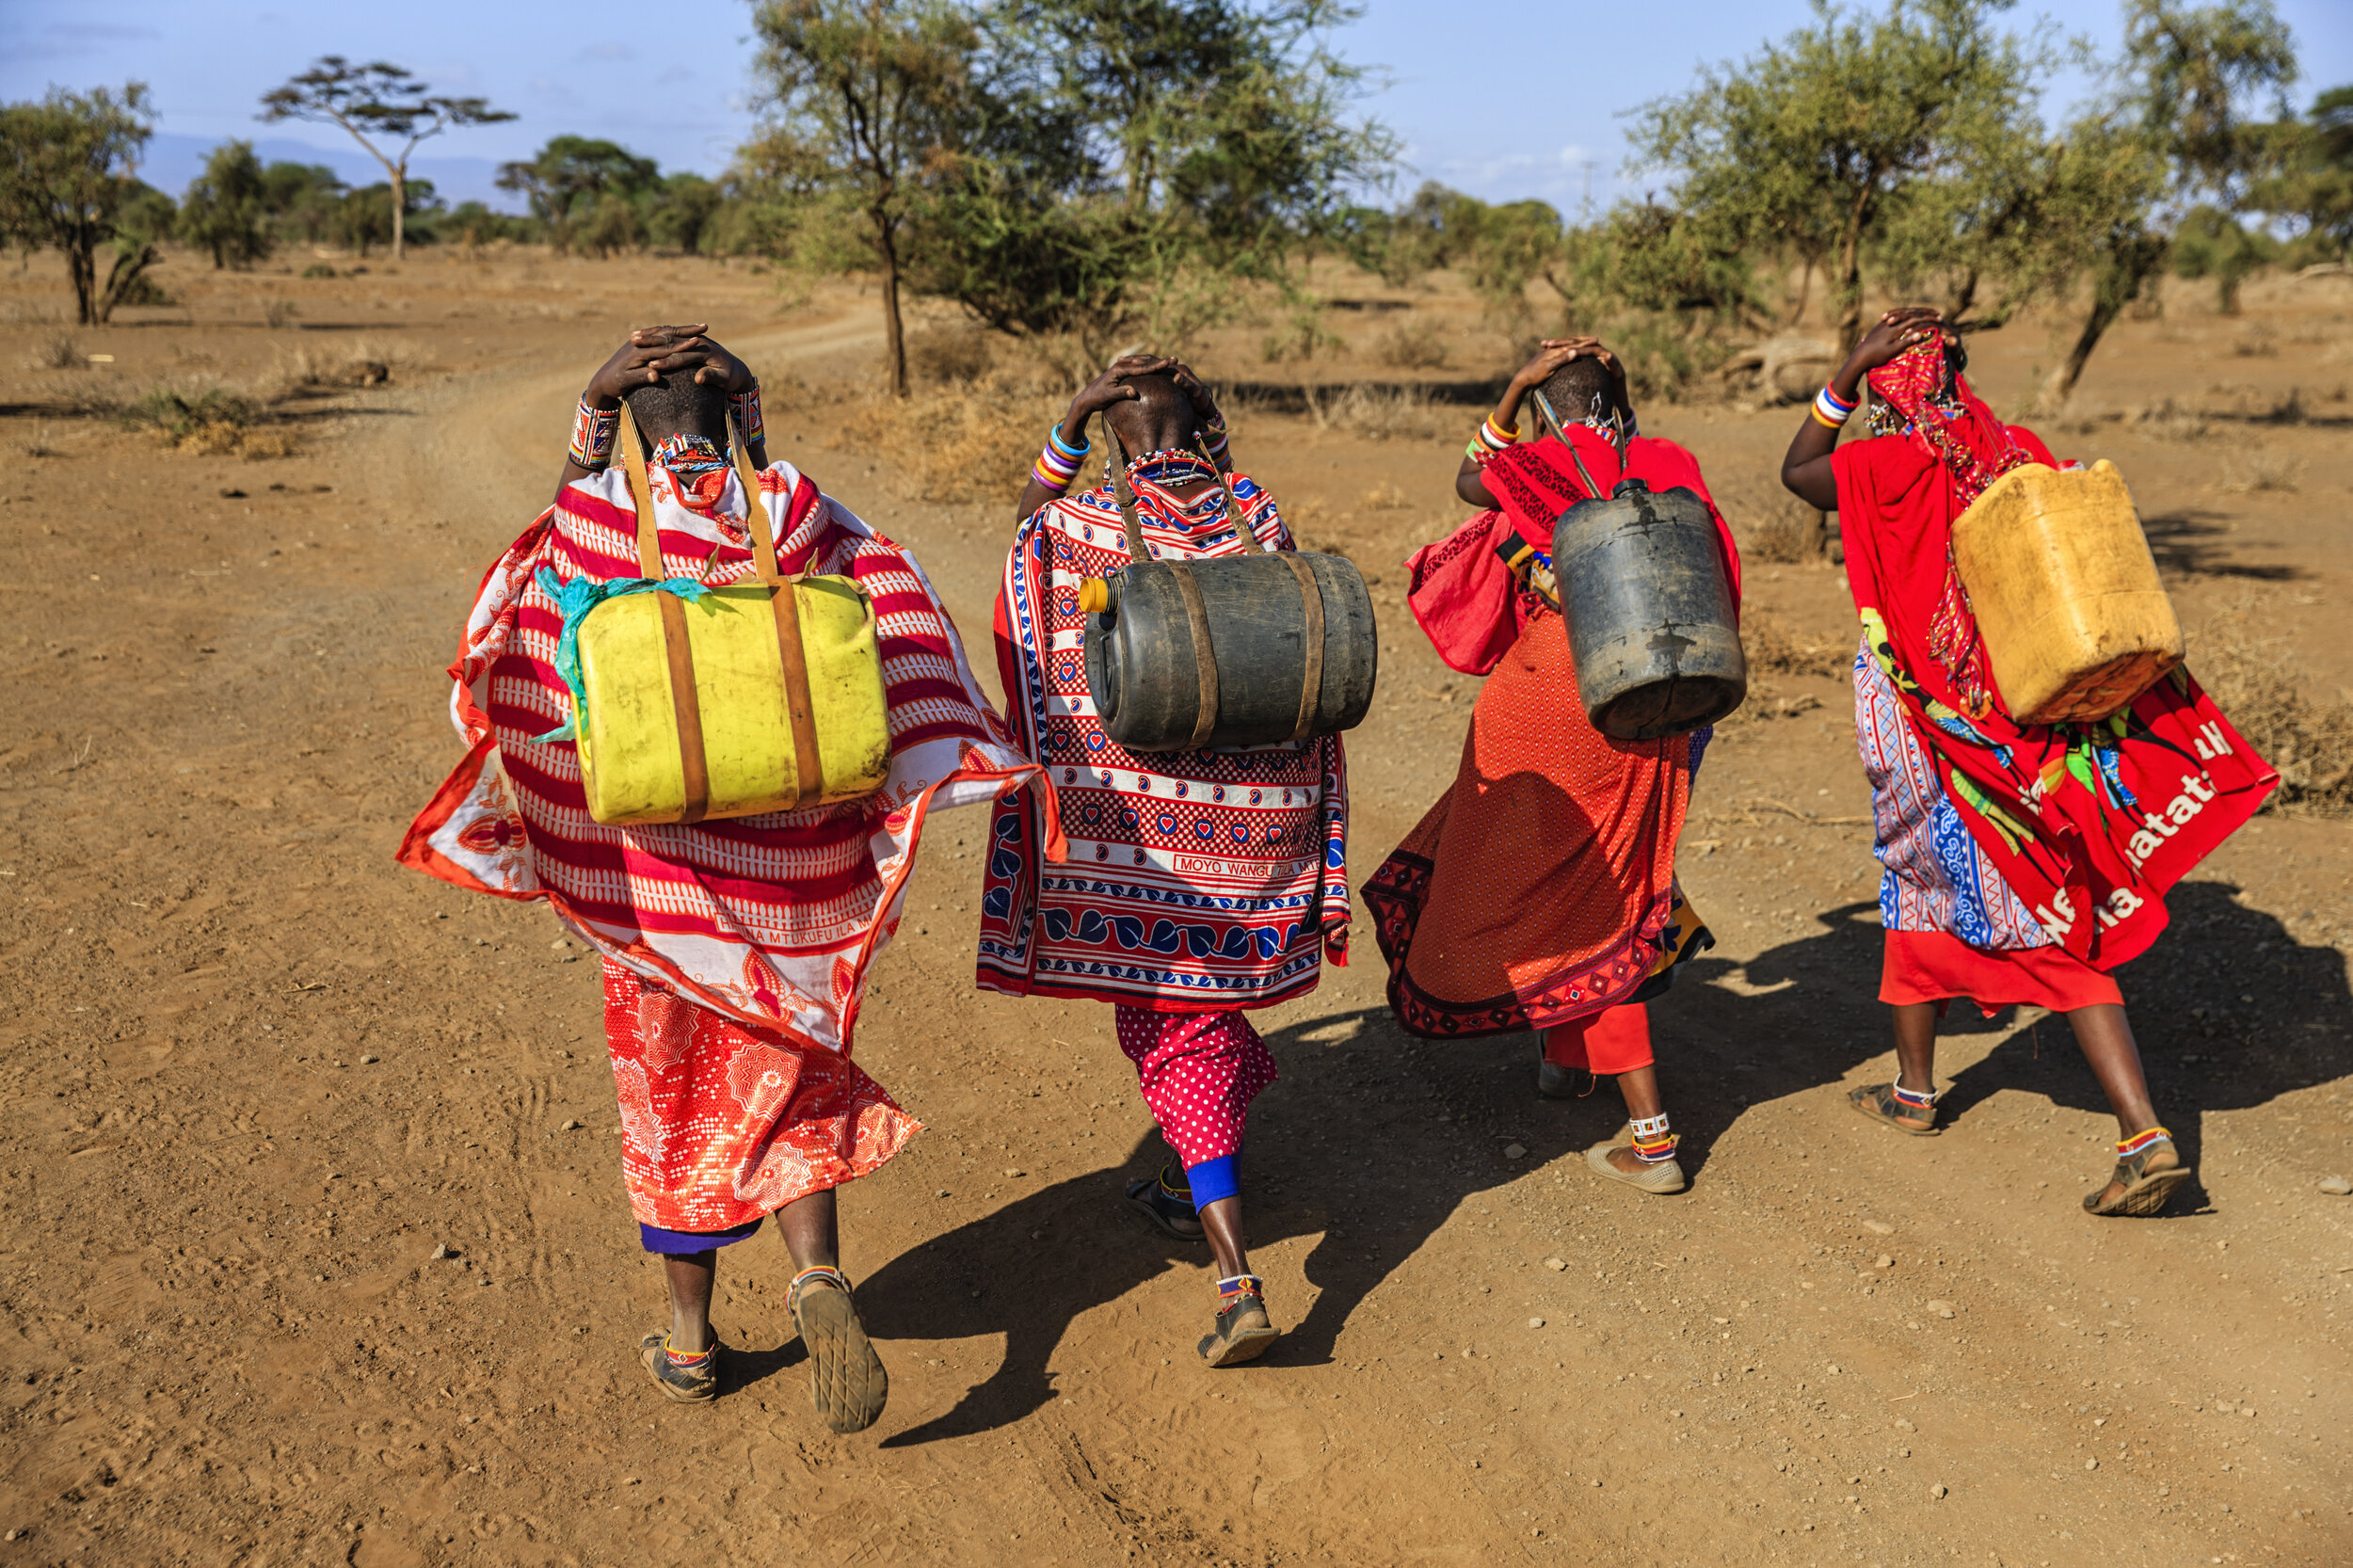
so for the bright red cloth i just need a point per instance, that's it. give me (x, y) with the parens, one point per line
(2088, 826)
(1199, 1072)
(1615, 1040)
(1934, 966)
(1470, 602)
(722, 1124)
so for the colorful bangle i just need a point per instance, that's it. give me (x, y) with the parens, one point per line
(592, 435)
(1652, 1144)
(1494, 437)
(1057, 465)
(747, 418)
(1831, 410)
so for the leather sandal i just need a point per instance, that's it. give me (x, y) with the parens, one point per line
(693, 1380)
(2142, 1190)
(1244, 1332)
(1169, 1211)
(1878, 1102)
(847, 1381)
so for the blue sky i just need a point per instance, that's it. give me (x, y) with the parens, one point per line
(1508, 99)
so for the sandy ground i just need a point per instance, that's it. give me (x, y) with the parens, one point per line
(255, 1074)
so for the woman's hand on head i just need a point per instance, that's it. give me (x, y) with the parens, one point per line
(1897, 332)
(1554, 352)
(649, 355)
(1196, 392)
(1111, 385)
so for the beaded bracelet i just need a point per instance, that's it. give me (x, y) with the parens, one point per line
(1653, 1143)
(1213, 441)
(1058, 463)
(1832, 410)
(747, 418)
(592, 435)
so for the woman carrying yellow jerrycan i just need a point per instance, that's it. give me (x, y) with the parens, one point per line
(2035, 794)
(720, 708)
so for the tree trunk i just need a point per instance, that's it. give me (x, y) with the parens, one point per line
(1851, 269)
(400, 207)
(1964, 294)
(1805, 292)
(894, 331)
(128, 268)
(2127, 267)
(82, 265)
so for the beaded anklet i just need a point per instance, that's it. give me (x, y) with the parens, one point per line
(1241, 1285)
(2140, 1142)
(1653, 1144)
(1916, 1099)
(679, 1358)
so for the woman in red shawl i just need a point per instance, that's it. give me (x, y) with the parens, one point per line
(1539, 892)
(2023, 862)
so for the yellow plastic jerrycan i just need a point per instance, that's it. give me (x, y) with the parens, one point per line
(765, 696)
(2076, 622)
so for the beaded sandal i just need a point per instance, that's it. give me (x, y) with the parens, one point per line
(688, 1379)
(2141, 1191)
(1168, 1207)
(1897, 1108)
(847, 1381)
(1244, 1332)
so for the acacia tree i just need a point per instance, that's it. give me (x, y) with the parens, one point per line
(381, 101)
(869, 99)
(1814, 143)
(66, 180)
(226, 209)
(2177, 118)
(1132, 159)
(574, 181)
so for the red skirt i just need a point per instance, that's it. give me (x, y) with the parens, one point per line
(1931, 965)
(722, 1124)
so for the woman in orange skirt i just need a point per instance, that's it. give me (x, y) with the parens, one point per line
(1539, 892)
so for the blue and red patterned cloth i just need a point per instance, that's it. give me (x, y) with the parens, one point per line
(1197, 881)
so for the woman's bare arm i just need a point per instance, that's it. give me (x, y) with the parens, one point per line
(1806, 469)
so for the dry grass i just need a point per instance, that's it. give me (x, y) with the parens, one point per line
(1411, 345)
(1388, 496)
(277, 312)
(1375, 413)
(1770, 523)
(207, 421)
(2255, 678)
(2169, 423)
(2255, 340)
(57, 351)
(2260, 470)
(974, 440)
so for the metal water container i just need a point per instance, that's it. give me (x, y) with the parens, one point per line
(1229, 651)
(1650, 614)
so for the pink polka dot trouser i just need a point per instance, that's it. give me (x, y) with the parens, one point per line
(1199, 1072)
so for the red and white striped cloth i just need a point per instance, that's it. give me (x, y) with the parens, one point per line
(769, 919)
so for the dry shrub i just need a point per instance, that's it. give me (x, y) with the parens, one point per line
(277, 313)
(965, 442)
(57, 351)
(1411, 345)
(2168, 422)
(1376, 413)
(207, 421)
(1770, 523)
(1388, 496)
(2258, 469)
(2255, 340)
(2255, 678)
(1772, 649)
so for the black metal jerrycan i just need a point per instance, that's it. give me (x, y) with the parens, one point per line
(1650, 615)
(1226, 651)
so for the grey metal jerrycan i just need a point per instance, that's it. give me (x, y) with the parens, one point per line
(1226, 651)
(1650, 614)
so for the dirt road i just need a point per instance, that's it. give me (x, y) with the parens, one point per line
(316, 1250)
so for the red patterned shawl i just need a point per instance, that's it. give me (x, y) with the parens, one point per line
(768, 919)
(2089, 824)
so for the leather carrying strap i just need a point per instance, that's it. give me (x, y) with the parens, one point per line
(1196, 613)
(694, 766)
(1310, 601)
(784, 597)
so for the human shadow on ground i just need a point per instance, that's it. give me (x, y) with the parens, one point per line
(2229, 1010)
(1372, 1140)
(2192, 541)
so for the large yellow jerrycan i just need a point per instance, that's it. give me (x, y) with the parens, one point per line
(765, 695)
(2076, 622)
